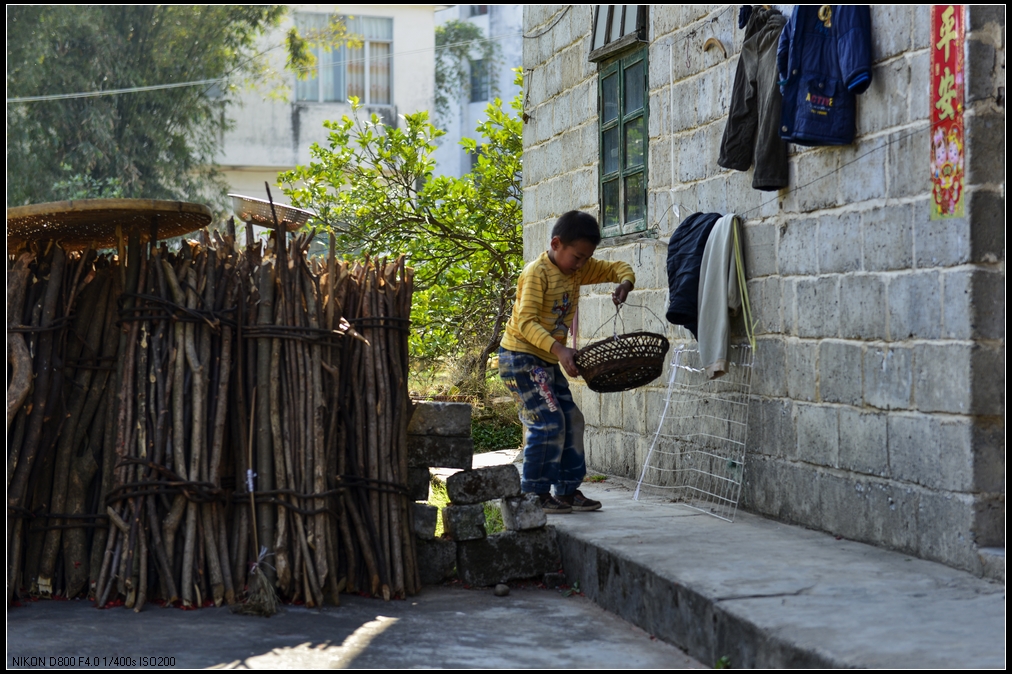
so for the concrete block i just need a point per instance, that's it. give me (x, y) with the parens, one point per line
(789, 306)
(798, 248)
(765, 298)
(508, 556)
(985, 148)
(887, 98)
(784, 490)
(989, 520)
(759, 244)
(844, 505)
(939, 243)
(464, 522)
(981, 66)
(440, 418)
(713, 192)
(818, 434)
(612, 411)
(432, 451)
(922, 27)
(424, 519)
(863, 299)
(437, 560)
(839, 243)
(982, 15)
(907, 150)
(987, 377)
(896, 40)
(935, 452)
(818, 307)
(802, 364)
(418, 483)
(684, 116)
(957, 304)
(942, 377)
(818, 171)
(770, 374)
(522, 512)
(713, 93)
(987, 226)
(914, 306)
(888, 238)
(888, 377)
(863, 442)
(483, 484)
(947, 531)
(771, 428)
(691, 159)
(840, 372)
(920, 85)
(635, 412)
(987, 437)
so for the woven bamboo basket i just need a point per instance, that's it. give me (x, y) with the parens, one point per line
(622, 362)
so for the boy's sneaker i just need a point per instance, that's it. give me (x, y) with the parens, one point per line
(553, 506)
(580, 503)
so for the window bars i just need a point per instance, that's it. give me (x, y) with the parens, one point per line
(698, 453)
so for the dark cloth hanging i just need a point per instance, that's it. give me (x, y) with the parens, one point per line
(823, 61)
(752, 133)
(685, 255)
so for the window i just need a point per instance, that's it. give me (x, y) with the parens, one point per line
(617, 27)
(623, 99)
(342, 72)
(477, 10)
(479, 81)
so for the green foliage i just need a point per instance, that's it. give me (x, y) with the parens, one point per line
(458, 43)
(493, 434)
(493, 518)
(723, 663)
(375, 187)
(157, 144)
(438, 498)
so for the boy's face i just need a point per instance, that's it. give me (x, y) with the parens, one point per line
(572, 256)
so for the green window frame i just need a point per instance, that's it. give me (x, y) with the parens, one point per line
(623, 140)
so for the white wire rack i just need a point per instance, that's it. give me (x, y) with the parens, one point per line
(698, 453)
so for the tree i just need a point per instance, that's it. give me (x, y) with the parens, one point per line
(158, 144)
(375, 188)
(458, 44)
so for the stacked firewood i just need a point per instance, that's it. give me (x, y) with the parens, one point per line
(176, 416)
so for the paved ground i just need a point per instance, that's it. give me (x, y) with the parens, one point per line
(446, 627)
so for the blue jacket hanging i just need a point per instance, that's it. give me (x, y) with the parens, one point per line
(823, 61)
(685, 255)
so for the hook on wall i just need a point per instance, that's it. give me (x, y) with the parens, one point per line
(714, 42)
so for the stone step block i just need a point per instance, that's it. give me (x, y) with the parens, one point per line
(483, 484)
(464, 522)
(437, 560)
(433, 451)
(425, 520)
(418, 483)
(508, 556)
(438, 418)
(520, 513)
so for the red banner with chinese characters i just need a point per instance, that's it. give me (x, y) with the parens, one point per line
(947, 138)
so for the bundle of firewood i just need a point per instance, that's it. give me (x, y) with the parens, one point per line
(174, 417)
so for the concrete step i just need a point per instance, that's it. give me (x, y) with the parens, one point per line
(766, 594)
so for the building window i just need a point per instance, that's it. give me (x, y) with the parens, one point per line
(477, 10)
(342, 72)
(617, 27)
(623, 96)
(479, 81)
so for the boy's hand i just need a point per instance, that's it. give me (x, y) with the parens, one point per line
(621, 293)
(567, 358)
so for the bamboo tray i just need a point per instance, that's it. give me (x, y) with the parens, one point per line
(258, 212)
(95, 223)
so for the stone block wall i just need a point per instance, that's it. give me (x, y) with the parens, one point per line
(878, 399)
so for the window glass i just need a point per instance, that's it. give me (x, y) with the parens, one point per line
(634, 143)
(601, 27)
(633, 87)
(341, 73)
(609, 97)
(379, 73)
(609, 199)
(611, 150)
(629, 25)
(355, 69)
(634, 198)
(479, 81)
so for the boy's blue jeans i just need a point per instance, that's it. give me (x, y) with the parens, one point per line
(553, 443)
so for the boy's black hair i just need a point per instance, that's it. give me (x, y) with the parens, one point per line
(576, 225)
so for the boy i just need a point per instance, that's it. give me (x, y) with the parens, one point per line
(533, 349)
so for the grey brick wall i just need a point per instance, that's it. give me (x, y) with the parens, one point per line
(878, 400)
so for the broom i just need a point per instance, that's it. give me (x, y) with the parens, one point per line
(261, 597)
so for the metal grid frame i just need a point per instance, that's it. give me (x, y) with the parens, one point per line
(697, 456)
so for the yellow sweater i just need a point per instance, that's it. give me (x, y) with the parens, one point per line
(546, 301)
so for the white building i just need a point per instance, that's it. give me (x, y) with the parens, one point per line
(503, 24)
(392, 73)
